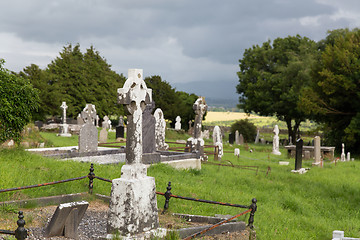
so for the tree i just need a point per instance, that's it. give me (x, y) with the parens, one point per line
(18, 100)
(246, 128)
(78, 79)
(334, 96)
(184, 108)
(271, 77)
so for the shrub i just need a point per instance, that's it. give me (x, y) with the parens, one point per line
(246, 128)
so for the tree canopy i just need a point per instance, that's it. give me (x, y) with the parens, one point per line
(18, 99)
(77, 78)
(272, 75)
(334, 96)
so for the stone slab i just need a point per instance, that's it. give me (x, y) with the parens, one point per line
(226, 227)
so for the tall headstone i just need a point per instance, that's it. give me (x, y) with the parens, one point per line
(317, 150)
(88, 137)
(103, 136)
(160, 127)
(257, 138)
(298, 155)
(120, 128)
(97, 120)
(241, 139)
(64, 126)
(133, 206)
(348, 156)
(231, 138)
(276, 147)
(178, 123)
(191, 129)
(148, 128)
(342, 157)
(196, 143)
(217, 136)
(237, 136)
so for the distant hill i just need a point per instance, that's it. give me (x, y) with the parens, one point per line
(217, 94)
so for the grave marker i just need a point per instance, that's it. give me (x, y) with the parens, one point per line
(148, 129)
(88, 136)
(64, 126)
(276, 141)
(120, 129)
(160, 126)
(298, 155)
(178, 123)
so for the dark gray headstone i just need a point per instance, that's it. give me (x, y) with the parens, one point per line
(148, 129)
(66, 220)
(39, 124)
(298, 155)
(231, 138)
(120, 132)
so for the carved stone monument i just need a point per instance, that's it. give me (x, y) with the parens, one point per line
(133, 206)
(196, 143)
(160, 126)
(257, 138)
(178, 123)
(237, 137)
(103, 136)
(276, 148)
(88, 136)
(64, 126)
(217, 140)
(342, 156)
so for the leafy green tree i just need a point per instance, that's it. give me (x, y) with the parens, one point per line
(184, 108)
(272, 75)
(334, 96)
(18, 100)
(246, 128)
(78, 79)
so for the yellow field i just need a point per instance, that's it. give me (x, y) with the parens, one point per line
(226, 116)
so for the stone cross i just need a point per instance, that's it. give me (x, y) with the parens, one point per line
(105, 123)
(88, 136)
(88, 114)
(133, 206)
(200, 108)
(135, 95)
(64, 107)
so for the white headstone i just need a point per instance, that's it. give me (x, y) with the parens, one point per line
(88, 136)
(160, 127)
(133, 206)
(348, 156)
(237, 137)
(217, 136)
(317, 150)
(276, 147)
(342, 157)
(178, 123)
(237, 152)
(257, 138)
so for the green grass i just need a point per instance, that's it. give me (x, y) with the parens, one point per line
(290, 206)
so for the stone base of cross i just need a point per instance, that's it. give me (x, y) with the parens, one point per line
(65, 130)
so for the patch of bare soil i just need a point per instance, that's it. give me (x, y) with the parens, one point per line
(93, 224)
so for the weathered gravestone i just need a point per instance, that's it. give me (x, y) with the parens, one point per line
(148, 129)
(66, 220)
(133, 206)
(257, 138)
(298, 155)
(178, 123)
(79, 120)
(88, 137)
(342, 156)
(64, 126)
(237, 137)
(231, 138)
(191, 129)
(103, 136)
(241, 139)
(217, 140)
(160, 127)
(196, 143)
(120, 128)
(276, 146)
(317, 150)
(97, 121)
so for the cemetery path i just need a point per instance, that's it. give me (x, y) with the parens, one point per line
(93, 225)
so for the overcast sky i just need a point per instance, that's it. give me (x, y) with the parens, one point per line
(182, 41)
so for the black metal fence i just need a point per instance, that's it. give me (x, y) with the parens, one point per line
(21, 233)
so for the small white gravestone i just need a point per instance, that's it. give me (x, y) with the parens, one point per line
(276, 141)
(64, 126)
(133, 207)
(160, 127)
(348, 156)
(217, 136)
(237, 152)
(103, 136)
(237, 137)
(342, 157)
(178, 123)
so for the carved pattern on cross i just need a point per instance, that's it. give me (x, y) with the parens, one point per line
(64, 107)
(88, 114)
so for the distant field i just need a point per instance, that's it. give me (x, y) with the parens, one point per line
(227, 116)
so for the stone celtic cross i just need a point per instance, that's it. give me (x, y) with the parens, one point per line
(88, 114)
(135, 95)
(200, 108)
(64, 107)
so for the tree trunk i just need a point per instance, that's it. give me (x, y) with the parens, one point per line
(292, 130)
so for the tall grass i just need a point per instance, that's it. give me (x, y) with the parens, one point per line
(290, 206)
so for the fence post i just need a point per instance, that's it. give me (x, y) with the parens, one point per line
(253, 210)
(21, 232)
(91, 177)
(216, 153)
(167, 197)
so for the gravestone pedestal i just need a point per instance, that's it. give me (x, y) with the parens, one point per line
(65, 130)
(133, 206)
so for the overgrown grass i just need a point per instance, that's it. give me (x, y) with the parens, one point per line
(290, 206)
